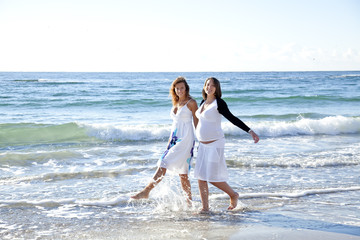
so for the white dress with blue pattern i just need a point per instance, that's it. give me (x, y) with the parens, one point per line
(177, 157)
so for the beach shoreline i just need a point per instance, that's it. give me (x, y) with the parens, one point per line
(182, 229)
(225, 225)
(268, 232)
(153, 219)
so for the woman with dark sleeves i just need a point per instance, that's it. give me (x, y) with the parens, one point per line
(210, 162)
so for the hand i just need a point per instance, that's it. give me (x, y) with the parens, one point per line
(254, 136)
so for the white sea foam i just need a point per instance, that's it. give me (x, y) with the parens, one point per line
(41, 202)
(20, 134)
(111, 132)
(125, 200)
(348, 75)
(66, 201)
(103, 202)
(295, 194)
(333, 125)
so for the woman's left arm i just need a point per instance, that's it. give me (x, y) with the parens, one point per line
(224, 110)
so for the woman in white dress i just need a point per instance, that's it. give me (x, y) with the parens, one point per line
(179, 153)
(210, 162)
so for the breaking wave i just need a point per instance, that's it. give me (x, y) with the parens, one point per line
(32, 133)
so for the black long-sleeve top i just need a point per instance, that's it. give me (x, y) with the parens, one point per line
(224, 110)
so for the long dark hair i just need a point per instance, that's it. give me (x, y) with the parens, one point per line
(217, 86)
(175, 98)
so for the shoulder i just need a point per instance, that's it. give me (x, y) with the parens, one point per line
(221, 103)
(192, 104)
(222, 106)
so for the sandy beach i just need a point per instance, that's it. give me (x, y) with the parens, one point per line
(183, 229)
(165, 222)
(266, 232)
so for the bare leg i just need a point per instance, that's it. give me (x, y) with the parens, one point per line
(159, 174)
(234, 196)
(204, 194)
(185, 184)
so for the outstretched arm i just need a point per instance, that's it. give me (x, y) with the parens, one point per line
(224, 110)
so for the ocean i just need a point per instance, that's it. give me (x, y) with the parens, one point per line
(75, 146)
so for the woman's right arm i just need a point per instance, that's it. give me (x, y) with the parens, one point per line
(192, 105)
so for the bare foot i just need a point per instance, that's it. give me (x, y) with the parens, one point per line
(141, 195)
(189, 202)
(233, 201)
(204, 211)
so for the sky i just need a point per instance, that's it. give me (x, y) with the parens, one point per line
(179, 36)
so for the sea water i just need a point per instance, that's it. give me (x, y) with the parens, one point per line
(75, 146)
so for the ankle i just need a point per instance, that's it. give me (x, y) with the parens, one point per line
(234, 195)
(204, 211)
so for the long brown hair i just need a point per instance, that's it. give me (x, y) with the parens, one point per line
(217, 86)
(175, 98)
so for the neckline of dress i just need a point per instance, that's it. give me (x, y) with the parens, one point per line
(202, 106)
(179, 108)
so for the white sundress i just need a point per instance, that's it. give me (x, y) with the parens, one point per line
(177, 158)
(210, 161)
